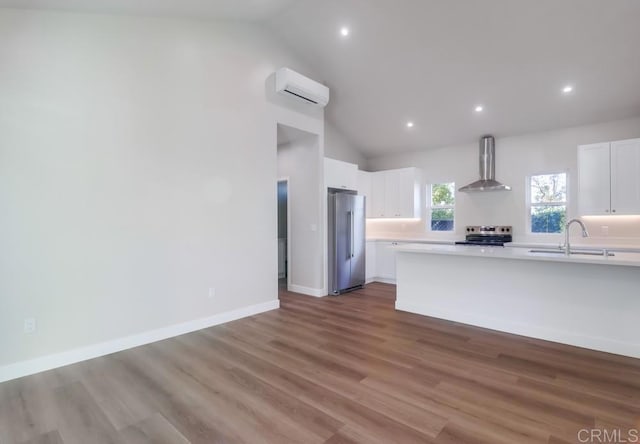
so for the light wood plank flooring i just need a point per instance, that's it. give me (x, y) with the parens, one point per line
(332, 370)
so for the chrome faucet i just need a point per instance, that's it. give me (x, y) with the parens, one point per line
(585, 233)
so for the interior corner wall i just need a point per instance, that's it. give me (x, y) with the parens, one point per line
(338, 147)
(299, 161)
(137, 175)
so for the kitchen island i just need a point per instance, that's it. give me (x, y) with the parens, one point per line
(582, 300)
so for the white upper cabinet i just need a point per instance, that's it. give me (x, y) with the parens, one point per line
(625, 177)
(378, 194)
(391, 193)
(363, 186)
(407, 202)
(609, 180)
(338, 174)
(595, 179)
(395, 193)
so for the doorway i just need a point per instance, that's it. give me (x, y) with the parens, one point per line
(283, 232)
(299, 163)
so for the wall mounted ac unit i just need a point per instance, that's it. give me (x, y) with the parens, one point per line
(296, 85)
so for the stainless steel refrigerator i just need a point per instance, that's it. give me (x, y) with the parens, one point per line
(346, 241)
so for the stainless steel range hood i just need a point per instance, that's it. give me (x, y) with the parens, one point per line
(487, 180)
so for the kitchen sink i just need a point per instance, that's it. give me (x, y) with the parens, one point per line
(585, 252)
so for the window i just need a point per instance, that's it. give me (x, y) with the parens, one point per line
(442, 206)
(547, 203)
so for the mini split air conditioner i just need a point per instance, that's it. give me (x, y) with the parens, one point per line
(296, 85)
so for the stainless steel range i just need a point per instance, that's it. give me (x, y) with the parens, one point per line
(488, 235)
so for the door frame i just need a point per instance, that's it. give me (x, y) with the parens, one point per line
(286, 180)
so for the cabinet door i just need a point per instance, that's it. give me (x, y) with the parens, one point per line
(392, 193)
(364, 189)
(408, 199)
(370, 261)
(338, 174)
(378, 194)
(386, 260)
(625, 177)
(594, 189)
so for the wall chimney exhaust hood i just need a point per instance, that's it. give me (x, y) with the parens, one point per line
(487, 180)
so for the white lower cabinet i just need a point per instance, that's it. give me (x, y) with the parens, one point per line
(370, 261)
(381, 261)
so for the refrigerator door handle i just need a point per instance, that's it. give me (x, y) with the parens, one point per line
(353, 253)
(350, 240)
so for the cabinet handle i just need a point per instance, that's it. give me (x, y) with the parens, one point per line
(613, 211)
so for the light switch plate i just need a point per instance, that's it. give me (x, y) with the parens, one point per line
(30, 326)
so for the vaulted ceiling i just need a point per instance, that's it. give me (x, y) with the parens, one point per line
(432, 62)
(251, 10)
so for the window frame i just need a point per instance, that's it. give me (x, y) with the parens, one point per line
(431, 207)
(529, 204)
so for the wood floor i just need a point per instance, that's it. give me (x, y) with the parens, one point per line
(330, 370)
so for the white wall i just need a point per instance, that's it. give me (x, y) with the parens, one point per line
(338, 147)
(516, 158)
(299, 161)
(137, 170)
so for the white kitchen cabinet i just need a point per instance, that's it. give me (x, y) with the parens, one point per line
(363, 186)
(338, 174)
(595, 179)
(609, 182)
(385, 262)
(625, 177)
(391, 193)
(377, 194)
(370, 261)
(395, 193)
(407, 201)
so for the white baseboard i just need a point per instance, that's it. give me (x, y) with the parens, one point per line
(530, 330)
(37, 365)
(317, 292)
(382, 280)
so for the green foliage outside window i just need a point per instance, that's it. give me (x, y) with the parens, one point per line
(442, 194)
(548, 203)
(442, 203)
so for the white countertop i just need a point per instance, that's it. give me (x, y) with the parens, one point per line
(620, 259)
(530, 245)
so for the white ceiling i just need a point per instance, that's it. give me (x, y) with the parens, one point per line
(252, 10)
(432, 61)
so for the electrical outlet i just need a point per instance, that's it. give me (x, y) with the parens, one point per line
(212, 292)
(29, 326)
(605, 230)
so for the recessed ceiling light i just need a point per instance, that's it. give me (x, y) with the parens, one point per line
(409, 124)
(479, 108)
(344, 31)
(567, 89)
